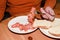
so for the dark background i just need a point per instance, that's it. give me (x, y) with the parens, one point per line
(58, 1)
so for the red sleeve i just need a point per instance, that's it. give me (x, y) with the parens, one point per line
(50, 3)
(2, 8)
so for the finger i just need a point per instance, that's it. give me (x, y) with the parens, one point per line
(44, 16)
(31, 15)
(50, 10)
(43, 13)
(49, 16)
(42, 10)
(33, 10)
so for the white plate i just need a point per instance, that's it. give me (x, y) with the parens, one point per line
(45, 31)
(22, 20)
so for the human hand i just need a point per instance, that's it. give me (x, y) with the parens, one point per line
(31, 15)
(48, 13)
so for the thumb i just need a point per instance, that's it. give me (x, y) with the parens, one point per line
(33, 10)
(42, 10)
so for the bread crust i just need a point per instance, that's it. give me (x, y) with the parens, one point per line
(54, 34)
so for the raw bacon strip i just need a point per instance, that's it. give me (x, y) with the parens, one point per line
(28, 26)
(25, 28)
(21, 27)
(15, 25)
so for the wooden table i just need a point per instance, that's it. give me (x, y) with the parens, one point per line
(5, 34)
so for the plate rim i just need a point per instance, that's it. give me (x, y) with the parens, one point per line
(42, 30)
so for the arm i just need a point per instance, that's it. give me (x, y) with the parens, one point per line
(50, 3)
(2, 8)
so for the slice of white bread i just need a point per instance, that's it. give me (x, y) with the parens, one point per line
(55, 29)
(42, 24)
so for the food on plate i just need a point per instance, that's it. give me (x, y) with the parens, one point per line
(55, 29)
(17, 25)
(42, 24)
(26, 26)
(23, 27)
